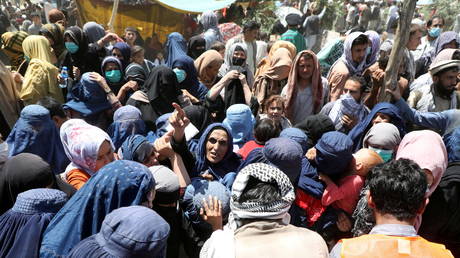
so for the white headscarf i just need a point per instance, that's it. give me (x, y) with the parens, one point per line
(81, 142)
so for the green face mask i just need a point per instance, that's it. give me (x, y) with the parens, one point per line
(113, 76)
(386, 155)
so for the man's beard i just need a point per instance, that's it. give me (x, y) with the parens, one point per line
(442, 91)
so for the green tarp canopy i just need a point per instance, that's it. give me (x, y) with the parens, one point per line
(195, 6)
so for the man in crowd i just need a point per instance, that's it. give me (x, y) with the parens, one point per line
(434, 28)
(351, 63)
(441, 95)
(397, 197)
(293, 35)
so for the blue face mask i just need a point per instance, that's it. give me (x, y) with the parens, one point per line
(27, 58)
(386, 155)
(72, 47)
(113, 76)
(368, 51)
(180, 74)
(435, 32)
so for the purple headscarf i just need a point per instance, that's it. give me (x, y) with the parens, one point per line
(347, 57)
(374, 39)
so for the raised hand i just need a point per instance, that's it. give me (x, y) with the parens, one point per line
(212, 212)
(178, 121)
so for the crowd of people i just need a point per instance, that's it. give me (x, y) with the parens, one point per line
(223, 142)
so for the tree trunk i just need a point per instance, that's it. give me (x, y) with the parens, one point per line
(402, 37)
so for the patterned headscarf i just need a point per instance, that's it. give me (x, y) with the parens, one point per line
(81, 143)
(12, 46)
(257, 210)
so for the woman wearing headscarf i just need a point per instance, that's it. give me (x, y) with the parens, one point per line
(214, 158)
(55, 35)
(196, 46)
(87, 147)
(211, 31)
(434, 163)
(384, 139)
(35, 132)
(270, 81)
(135, 72)
(167, 194)
(41, 78)
(12, 47)
(94, 31)
(208, 65)
(85, 56)
(120, 184)
(186, 74)
(127, 121)
(305, 91)
(88, 100)
(155, 98)
(264, 64)
(381, 113)
(240, 121)
(10, 104)
(448, 39)
(440, 218)
(137, 148)
(23, 225)
(261, 227)
(374, 45)
(134, 231)
(176, 46)
(20, 173)
(122, 52)
(113, 72)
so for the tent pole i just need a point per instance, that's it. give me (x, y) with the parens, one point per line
(401, 39)
(114, 14)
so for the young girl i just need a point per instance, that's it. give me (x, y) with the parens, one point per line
(273, 108)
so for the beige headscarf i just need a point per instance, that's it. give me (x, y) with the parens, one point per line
(265, 62)
(202, 63)
(40, 79)
(10, 105)
(267, 82)
(35, 46)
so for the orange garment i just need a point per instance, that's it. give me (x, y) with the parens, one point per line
(377, 245)
(77, 178)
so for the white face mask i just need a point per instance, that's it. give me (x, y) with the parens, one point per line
(3, 152)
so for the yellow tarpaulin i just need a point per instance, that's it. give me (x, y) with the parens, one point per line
(146, 18)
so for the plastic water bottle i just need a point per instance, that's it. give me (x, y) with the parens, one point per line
(65, 76)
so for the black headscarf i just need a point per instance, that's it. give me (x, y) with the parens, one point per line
(79, 37)
(314, 127)
(199, 116)
(162, 89)
(193, 44)
(20, 173)
(135, 72)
